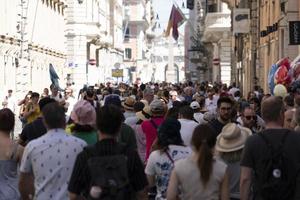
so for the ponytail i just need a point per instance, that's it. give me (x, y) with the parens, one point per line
(205, 161)
(203, 141)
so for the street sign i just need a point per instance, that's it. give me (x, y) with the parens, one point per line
(216, 61)
(92, 61)
(117, 72)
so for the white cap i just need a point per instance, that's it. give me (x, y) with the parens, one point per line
(195, 105)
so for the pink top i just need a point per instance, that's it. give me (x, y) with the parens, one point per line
(151, 133)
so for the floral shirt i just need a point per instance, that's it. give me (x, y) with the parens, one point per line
(161, 166)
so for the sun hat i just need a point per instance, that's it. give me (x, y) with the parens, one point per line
(157, 106)
(195, 105)
(232, 138)
(83, 113)
(129, 103)
(145, 114)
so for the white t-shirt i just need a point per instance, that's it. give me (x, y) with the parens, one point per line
(211, 105)
(187, 129)
(199, 117)
(160, 166)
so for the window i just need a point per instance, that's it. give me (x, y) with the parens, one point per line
(127, 34)
(128, 55)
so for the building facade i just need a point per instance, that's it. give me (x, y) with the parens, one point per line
(267, 41)
(31, 37)
(94, 39)
(138, 18)
(217, 32)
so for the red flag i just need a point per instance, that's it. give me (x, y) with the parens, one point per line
(176, 19)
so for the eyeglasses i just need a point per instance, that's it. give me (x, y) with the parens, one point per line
(254, 117)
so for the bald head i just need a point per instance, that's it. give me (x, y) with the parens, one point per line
(272, 109)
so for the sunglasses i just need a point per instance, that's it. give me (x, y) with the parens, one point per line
(254, 117)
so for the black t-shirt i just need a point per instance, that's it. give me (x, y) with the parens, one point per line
(33, 130)
(256, 147)
(217, 126)
(81, 178)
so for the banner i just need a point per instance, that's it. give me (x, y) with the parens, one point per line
(117, 72)
(294, 28)
(241, 20)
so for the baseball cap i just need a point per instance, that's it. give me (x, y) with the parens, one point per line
(195, 105)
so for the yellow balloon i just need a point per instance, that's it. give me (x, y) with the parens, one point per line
(280, 90)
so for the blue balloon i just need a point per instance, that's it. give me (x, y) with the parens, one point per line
(271, 75)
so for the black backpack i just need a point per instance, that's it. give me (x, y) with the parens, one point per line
(109, 176)
(278, 174)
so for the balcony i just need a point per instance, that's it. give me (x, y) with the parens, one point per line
(215, 26)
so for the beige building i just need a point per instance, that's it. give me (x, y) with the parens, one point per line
(31, 37)
(267, 41)
(217, 32)
(94, 39)
(138, 16)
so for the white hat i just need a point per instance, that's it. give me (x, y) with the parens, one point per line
(232, 138)
(173, 93)
(195, 105)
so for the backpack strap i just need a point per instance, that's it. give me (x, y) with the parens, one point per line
(282, 141)
(169, 156)
(153, 124)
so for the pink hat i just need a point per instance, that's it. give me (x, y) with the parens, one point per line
(83, 113)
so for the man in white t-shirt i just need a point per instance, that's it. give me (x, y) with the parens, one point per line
(188, 124)
(9, 101)
(210, 101)
(198, 116)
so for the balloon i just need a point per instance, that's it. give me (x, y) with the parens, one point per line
(280, 90)
(283, 75)
(271, 77)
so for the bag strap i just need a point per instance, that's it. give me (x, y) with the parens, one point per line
(281, 144)
(169, 156)
(153, 124)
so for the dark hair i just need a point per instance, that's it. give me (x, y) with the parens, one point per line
(82, 128)
(289, 100)
(271, 109)
(7, 120)
(224, 99)
(172, 113)
(35, 94)
(44, 101)
(109, 119)
(90, 93)
(169, 133)
(54, 115)
(186, 112)
(204, 141)
(138, 106)
(176, 104)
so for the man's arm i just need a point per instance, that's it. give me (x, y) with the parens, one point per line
(245, 182)
(26, 186)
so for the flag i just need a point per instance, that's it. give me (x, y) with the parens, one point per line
(176, 19)
(54, 77)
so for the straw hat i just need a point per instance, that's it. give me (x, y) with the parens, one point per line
(128, 104)
(232, 138)
(145, 114)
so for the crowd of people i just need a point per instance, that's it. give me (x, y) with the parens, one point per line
(151, 141)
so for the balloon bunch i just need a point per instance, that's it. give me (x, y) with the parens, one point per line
(280, 77)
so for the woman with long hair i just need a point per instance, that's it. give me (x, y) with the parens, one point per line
(200, 176)
(170, 148)
(10, 156)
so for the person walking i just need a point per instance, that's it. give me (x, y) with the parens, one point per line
(229, 147)
(89, 179)
(200, 176)
(10, 157)
(161, 161)
(48, 160)
(272, 156)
